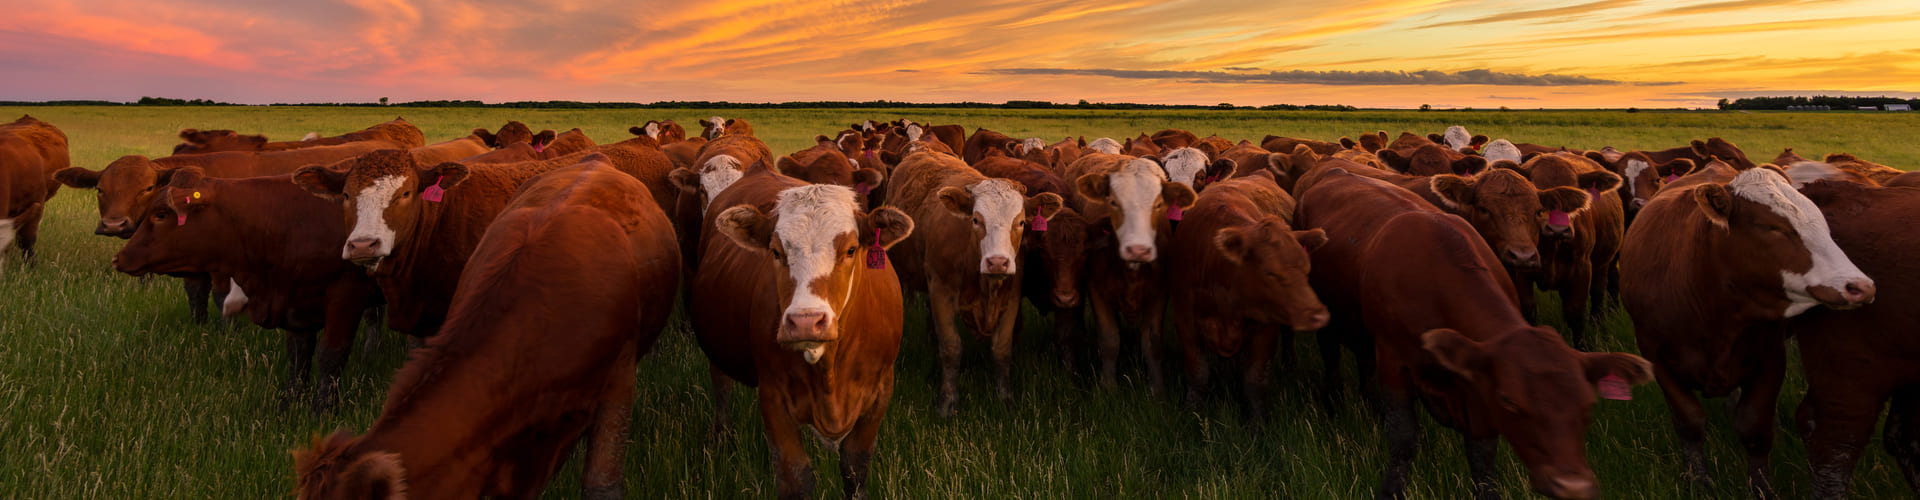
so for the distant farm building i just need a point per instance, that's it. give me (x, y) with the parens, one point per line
(1899, 107)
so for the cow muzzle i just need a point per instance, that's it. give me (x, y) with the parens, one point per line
(365, 251)
(807, 331)
(1557, 232)
(996, 265)
(1137, 253)
(1856, 293)
(1311, 320)
(1522, 259)
(115, 226)
(1066, 298)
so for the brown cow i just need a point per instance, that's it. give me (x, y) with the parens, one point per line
(1238, 273)
(572, 285)
(512, 133)
(31, 151)
(1448, 333)
(569, 142)
(1248, 158)
(277, 244)
(794, 297)
(824, 164)
(984, 140)
(1053, 253)
(1130, 200)
(1507, 210)
(1174, 138)
(713, 128)
(434, 154)
(1715, 147)
(1855, 362)
(1194, 168)
(1141, 146)
(953, 205)
(397, 131)
(1372, 143)
(1704, 235)
(1432, 159)
(664, 131)
(719, 163)
(1285, 145)
(1641, 178)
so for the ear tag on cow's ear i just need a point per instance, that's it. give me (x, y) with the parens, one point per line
(1039, 223)
(862, 188)
(1593, 193)
(433, 193)
(1557, 218)
(196, 195)
(538, 147)
(181, 220)
(876, 256)
(1672, 178)
(1174, 212)
(1615, 388)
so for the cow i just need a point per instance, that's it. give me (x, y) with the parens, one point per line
(571, 286)
(276, 243)
(794, 297)
(1104, 145)
(964, 253)
(984, 140)
(1196, 169)
(1432, 159)
(824, 164)
(1237, 273)
(1285, 145)
(1448, 332)
(1708, 233)
(1407, 141)
(664, 131)
(1502, 149)
(31, 152)
(719, 163)
(1457, 138)
(1508, 211)
(1173, 138)
(713, 128)
(1130, 201)
(1855, 362)
(1053, 253)
(1715, 147)
(512, 133)
(1372, 143)
(1848, 162)
(1641, 178)
(433, 154)
(1248, 158)
(569, 142)
(397, 131)
(1141, 146)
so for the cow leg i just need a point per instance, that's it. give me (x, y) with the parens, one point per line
(1150, 323)
(299, 357)
(722, 400)
(1689, 424)
(372, 320)
(1902, 436)
(791, 467)
(1481, 453)
(1003, 331)
(1403, 443)
(950, 345)
(1195, 355)
(1523, 286)
(27, 231)
(1839, 425)
(1109, 341)
(1333, 384)
(222, 288)
(856, 450)
(343, 321)
(1753, 418)
(1066, 329)
(1573, 304)
(1259, 374)
(199, 286)
(607, 440)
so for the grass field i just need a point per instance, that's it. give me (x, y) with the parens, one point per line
(107, 390)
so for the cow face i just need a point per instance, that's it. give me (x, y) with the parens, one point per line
(662, 131)
(1063, 246)
(1138, 199)
(1538, 394)
(384, 194)
(1569, 170)
(123, 188)
(327, 470)
(716, 174)
(1000, 212)
(1508, 211)
(1373, 142)
(1191, 167)
(714, 127)
(511, 133)
(1715, 147)
(1272, 260)
(1641, 179)
(819, 240)
(183, 228)
(1782, 239)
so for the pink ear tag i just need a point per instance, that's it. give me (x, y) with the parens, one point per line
(876, 256)
(1615, 388)
(1174, 212)
(539, 147)
(1557, 218)
(433, 193)
(862, 188)
(1039, 223)
(1593, 193)
(1672, 178)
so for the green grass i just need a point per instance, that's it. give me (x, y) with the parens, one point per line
(107, 390)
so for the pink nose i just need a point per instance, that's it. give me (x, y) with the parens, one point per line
(1314, 321)
(113, 226)
(1638, 203)
(805, 326)
(1139, 253)
(999, 264)
(1859, 292)
(1066, 298)
(1557, 232)
(362, 248)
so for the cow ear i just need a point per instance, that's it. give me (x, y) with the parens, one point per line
(1393, 159)
(1044, 205)
(822, 138)
(872, 177)
(77, 177)
(1311, 239)
(323, 182)
(1478, 140)
(1679, 166)
(1053, 157)
(1699, 148)
(1454, 191)
(1634, 369)
(637, 130)
(183, 177)
(1471, 165)
(376, 475)
(747, 227)
(1437, 138)
(1509, 165)
(1232, 243)
(1714, 202)
(730, 122)
(958, 201)
(1347, 143)
(446, 175)
(545, 136)
(1178, 194)
(891, 224)
(686, 179)
(1083, 141)
(191, 135)
(1094, 187)
(1601, 159)
(785, 164)
(1223, 168)
(1566, 199)
(1599, 180)
(488, 137)
(1456, 352)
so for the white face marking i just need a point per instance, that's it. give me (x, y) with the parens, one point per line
(1808, 171)
(370, 214)
(914, 132)
(867, 125)
(1185, 165)
(999, 207)
(810, 218)
(653, 130)
(1635, 167)
(1501, 149)
(310, 136)
(1457, 137)
(719, 172)
(718, 126)
(1830, 268)
(1033, 144)
(1136, 187)
(236, 300)
(1105, 145)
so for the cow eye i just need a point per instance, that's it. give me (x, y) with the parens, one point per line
(852, 250)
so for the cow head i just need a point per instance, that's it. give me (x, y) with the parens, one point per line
(819, 239)
(1273, 259)
(1641, 179)
(1191, 167)
(332, 469)
(662, 131)
(1787, 157)
(1782, 240)
(716, 174)
(385, 194)
(183, 228)
(1000, 211)
(511, 133)
(1137, 199)
(831, 167)
(1105, 145)
(1574, 171)
(1502, 150)
(1063, 246)
(1715, 147)
(1538, 393)
(123, 188)
(1373, 142)
(1507, 210)
(1456, 138)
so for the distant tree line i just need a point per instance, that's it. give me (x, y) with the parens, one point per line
(163, 101)
(1835, 102)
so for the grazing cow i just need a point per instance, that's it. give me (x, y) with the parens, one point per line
(571, 286)
(273, 241)
(31, 152)
(1238, 273)
(1285, 145)
(713, 128)
(512, 133)
(1704, 235)
(397, 131)
(1577, 220)
(1174, 138)
(1130, 200)
(1855, 361)
(983, 140)
(1194, 168)
(1448, 333)
(1432, 159)
(952, 205)
(434, 154)
(664, 131)
(794, 297)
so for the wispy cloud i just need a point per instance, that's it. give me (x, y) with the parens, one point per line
(1566, 13)
(1425, 77)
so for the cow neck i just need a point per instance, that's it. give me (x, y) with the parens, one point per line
(1713, 281)
(833, 412)
(252, 264)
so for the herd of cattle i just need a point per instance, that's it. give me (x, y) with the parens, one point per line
(538, 268)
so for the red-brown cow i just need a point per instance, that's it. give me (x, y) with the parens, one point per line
(822, 317)
(571, 286)
(277, 243)
(397, 131)
(713, 128)
(1705, 235)
(1432, 159)
(1238, 273)
(1130, 201)
(1447, 332)
(437, 153)
(1195, 169)
(1174, 138)
(31, 151)
(983, 140)
(569, 142)
(1285, 145)
(1141, 146)
(1053, 253)
(964, 252)
(664, 131)
(1641, 178)
(719, 163)
(824, 164)
(512, 133)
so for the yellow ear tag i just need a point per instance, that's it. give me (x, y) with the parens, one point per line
(196, 195)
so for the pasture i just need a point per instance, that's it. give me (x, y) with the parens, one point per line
(108, 390)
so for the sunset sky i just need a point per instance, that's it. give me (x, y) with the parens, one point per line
(1369, 53)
